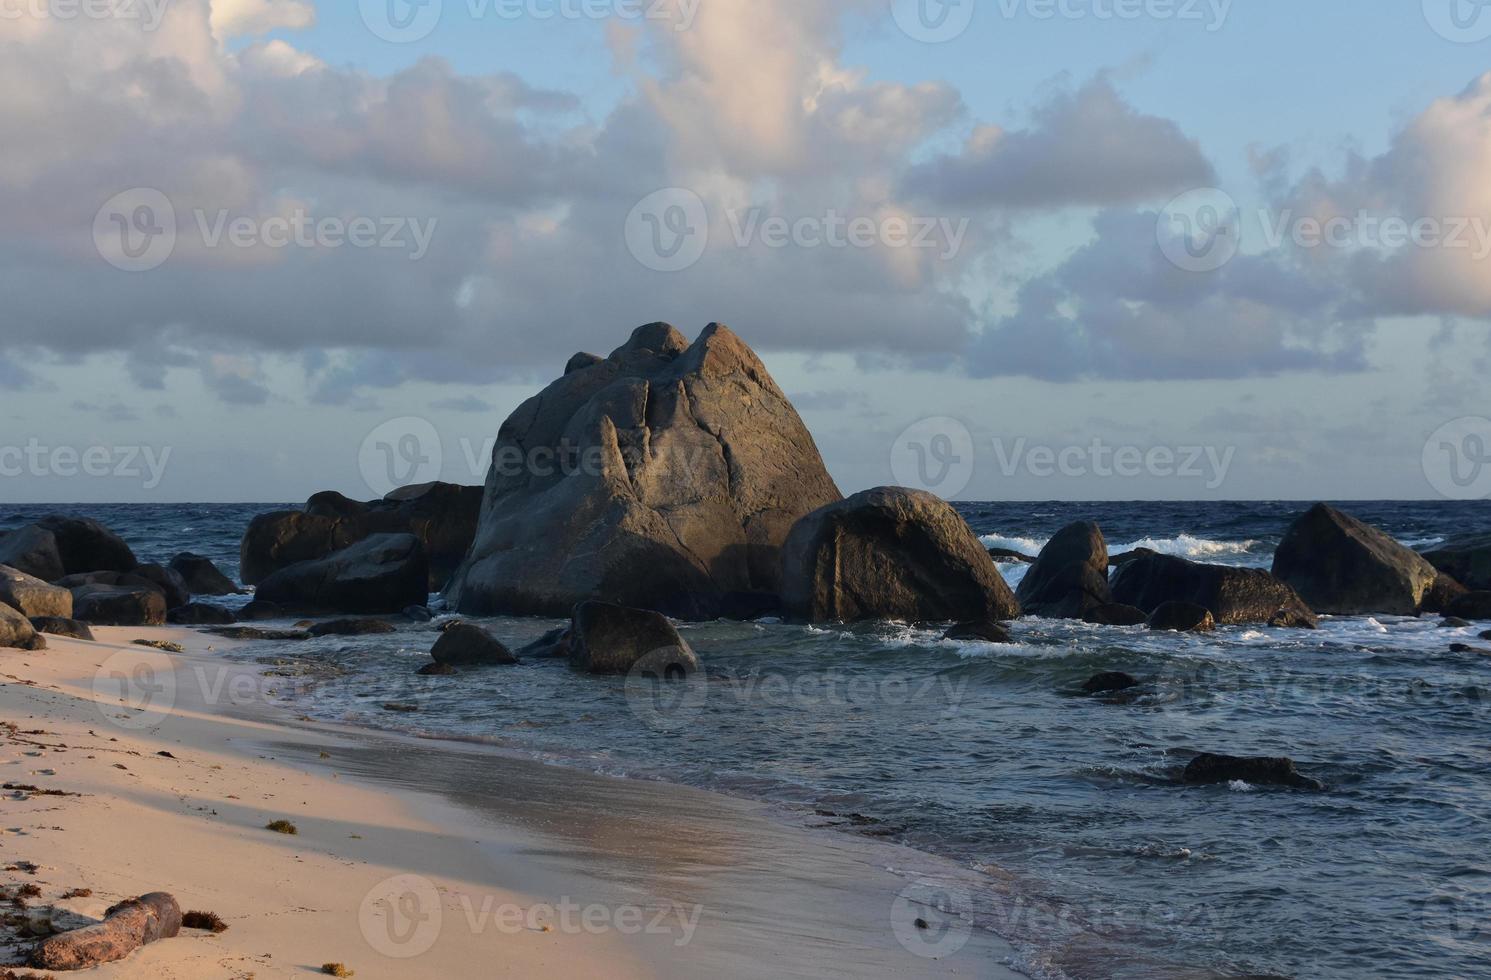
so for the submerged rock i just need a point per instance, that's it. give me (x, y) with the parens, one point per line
(1115, 614)
(202, 577)
(437, 670)
(463, 644)
(980, 630)
(1342, 566)
(1182, 617)
(1070, 577)
(612, 639)
(666, 476)
(382, 574)
(1232, 594)
(1108, 682)
(1209, 769)
(255, 633)
(891, 553)
(32, 597)
(351, 627)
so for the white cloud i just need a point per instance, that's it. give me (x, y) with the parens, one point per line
(236, 18)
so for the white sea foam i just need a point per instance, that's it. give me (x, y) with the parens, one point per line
(1184, 545)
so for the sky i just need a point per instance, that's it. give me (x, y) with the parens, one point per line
(1002, 249)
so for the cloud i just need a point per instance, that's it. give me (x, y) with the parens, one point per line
(234, 18)
(1087, 147)
(114, 411)
(469, 403)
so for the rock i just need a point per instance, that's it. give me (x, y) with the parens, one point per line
(1209, 769)
(1486, 635)
(442, 515)
(418, 614)
(553, 645)
(171, 584)
(1124, 558)
(747, 606)
(1115, 614)
(1182, 617)
(666, 476)
(1294, 618)
(15, 630)
(200, 614)
(1467, 560)
(87, 546)
(980, 631)
(611, 639)
(254, 633)
(891, 553)
(1234, 595)
(1471, 605)
(437, 670)
(1453, 624)
(32, 550)
(1341, 566)
(259, 610)
(57, 626)
(381, 574)
(202, 577)
(1467, 648)
(1108, 682)
(1442, 593)
(125, 928)
(352, 627)
(462, 644)
(32, 597)
(108, 605)
(1007, 556)
(582, 361)
(1070, 576)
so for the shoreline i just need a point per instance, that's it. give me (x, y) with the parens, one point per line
(540, 866)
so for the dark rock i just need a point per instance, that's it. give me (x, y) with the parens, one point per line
(1294, 618)
(1070, 576)
(611, 639)
(1341, 566)
(1471, 605)
(109, 605)
(32, 550)
(581, 361)
(255, 633)
(1486, 635)
(1125, 557)
(437, 670)
(553, 645)
(1466, 560)
(202, 577)
(57, 626)
(745, 606)
(1109, 682)
(32, 597)
(1007, 556)
(1234, 595)
(85, 545)
(1467, 648)
(463, 644)
(979, 631)
(442, 515)
(259, 610)
(667, 476)
(200, 614)
(1115, 614)
(1453, 624)
(401, 708)
(1182, 617)
(381, 574)
(16, 630)
(418, 614)
(1209, 769)
(171, 584)
(891, 553)
(1442, 594)
(352, 627)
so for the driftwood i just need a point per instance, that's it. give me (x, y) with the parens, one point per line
(125, 928)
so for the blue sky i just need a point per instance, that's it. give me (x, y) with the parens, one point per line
(1053, 148)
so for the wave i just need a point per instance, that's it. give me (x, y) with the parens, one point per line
(1184, 545)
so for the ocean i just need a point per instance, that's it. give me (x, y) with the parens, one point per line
(1062, 812)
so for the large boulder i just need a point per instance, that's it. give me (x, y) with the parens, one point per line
(31, 596)
(609, 639)
(200, 614)
(58, 626)
(87, 546)
(382, 574)
(464, 644)
(170, 582)
(1182, 617)
(665, 476)
(112, 605)
(1342, 566)
(155, 577)
(1471, 605)
(1234, 595)
(442, 515)
(32, 550)
(16, 630)
(1467, 560)
(1070, 576)
(891, 553)
(201, 576)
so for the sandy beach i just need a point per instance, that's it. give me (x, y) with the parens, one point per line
(414, 858)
